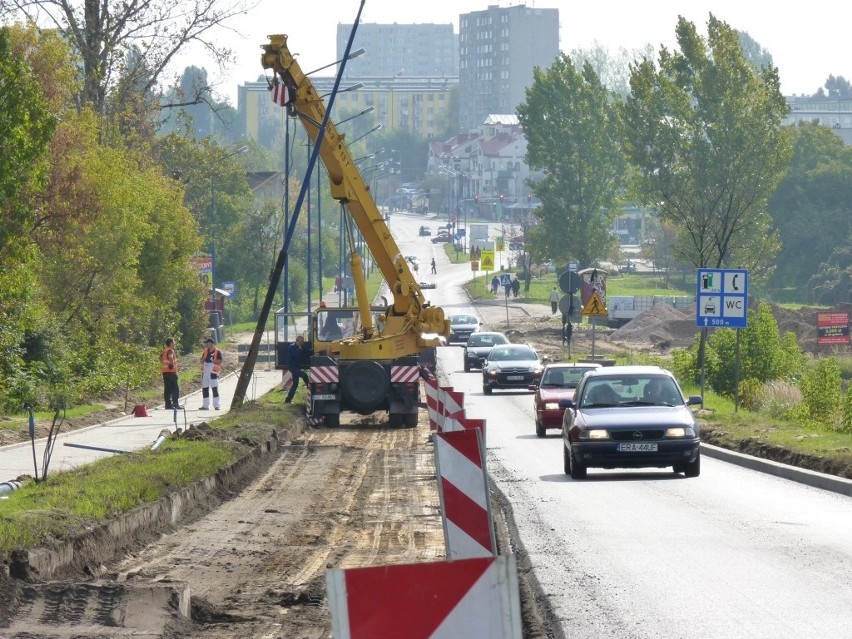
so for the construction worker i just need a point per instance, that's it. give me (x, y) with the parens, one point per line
(169, 365)
(211, 366)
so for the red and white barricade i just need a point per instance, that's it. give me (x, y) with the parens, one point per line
(463, 492)
(432, 390)
(437, 600)
(450, 408)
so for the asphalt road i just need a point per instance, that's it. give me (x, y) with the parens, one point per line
(736, 552)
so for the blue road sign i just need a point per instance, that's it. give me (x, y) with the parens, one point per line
(721, 299)
(505, 279)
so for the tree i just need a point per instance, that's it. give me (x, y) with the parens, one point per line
(704, 133)
(26, 127)
(572, 135)
(613, 69)
(102, 32)
(812, 208)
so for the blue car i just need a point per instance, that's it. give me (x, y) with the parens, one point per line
(630, 417)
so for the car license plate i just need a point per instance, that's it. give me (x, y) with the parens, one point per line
(325, 396)
(514, 378)
(634, 447)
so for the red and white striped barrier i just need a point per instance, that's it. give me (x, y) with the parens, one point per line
(432, 390)
(450, 408)
(324, 374)
(463, 492)
(405, 374)
(437, 600)
(286, 379)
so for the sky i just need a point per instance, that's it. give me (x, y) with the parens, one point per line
(807, 44)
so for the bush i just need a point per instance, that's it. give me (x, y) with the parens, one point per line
(763, 354)
(749, 394)
(821, 389)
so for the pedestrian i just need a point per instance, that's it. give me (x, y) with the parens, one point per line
(495, 283)
(211, 367)
(567, 331)
(516, 286)
(554, 300)
(434, 267)
(295, 353)
(169, 365)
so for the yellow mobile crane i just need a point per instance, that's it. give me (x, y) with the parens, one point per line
(377, 368)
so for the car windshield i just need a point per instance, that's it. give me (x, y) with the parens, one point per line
(563, 377)
(463, 319)
(511, 354)
(634, 390)
(483, 339)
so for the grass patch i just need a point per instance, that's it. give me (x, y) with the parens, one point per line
(68, 503)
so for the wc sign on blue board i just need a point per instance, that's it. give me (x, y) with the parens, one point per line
(721, 299)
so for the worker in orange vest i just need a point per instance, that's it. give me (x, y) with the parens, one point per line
(211, 366)
(169, 366)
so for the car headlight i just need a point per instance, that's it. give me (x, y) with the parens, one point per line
(594, 434)
(551, 405)
(536, 370)
(680, 432)
(491, 372)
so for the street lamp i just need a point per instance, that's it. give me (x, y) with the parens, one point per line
(354, 54)
(354, 87)
(242, 149)
(364, 135)
(369, 109)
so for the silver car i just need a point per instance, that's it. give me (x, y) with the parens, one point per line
(630, 417)
(462, 326)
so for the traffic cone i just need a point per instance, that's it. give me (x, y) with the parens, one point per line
(140, 411)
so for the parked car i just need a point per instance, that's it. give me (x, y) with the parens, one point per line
(558, 382)
(442, 238)
(511, 366)
(425, 284)
(462, 326)
(424, 230)
(630, 417)
(478, 347)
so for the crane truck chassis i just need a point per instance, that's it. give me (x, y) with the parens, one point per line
(378, 365)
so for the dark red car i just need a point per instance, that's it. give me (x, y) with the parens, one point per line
(558, 381)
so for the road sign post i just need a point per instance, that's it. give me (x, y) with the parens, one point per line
(721, 301)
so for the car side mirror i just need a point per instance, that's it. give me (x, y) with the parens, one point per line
(694, 399)
(532, 387)
(566, 403)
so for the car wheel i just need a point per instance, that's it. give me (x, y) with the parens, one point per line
(577, 471)
(566, 461)
(466, 367)
(332, 420)
(539, 429)
(693, 468)
(487, 390)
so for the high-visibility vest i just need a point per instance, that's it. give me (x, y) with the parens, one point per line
(169, 356)
(212, 355)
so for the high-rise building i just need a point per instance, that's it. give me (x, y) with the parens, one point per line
(498, 49)
(402, 50)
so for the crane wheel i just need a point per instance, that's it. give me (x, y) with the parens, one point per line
(365, 385)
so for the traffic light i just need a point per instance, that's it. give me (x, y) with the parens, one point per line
(529, 197)
(501, 198)
(476, 199)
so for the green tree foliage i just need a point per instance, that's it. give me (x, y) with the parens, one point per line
(812, 208)
(703, 131)
(835, 88)
(26, 127)
(102, 34)
(569, 119)
(822, 390)
(764, 354)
